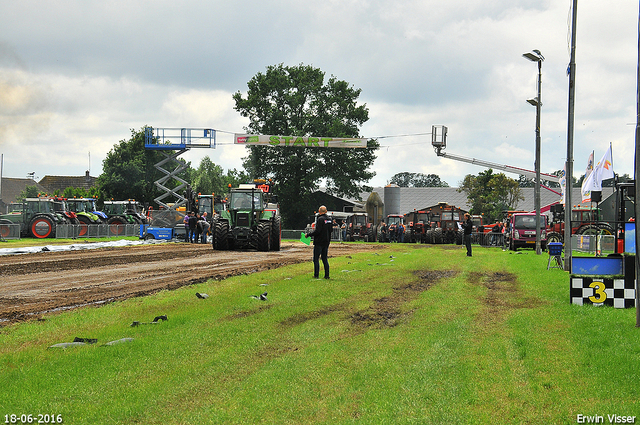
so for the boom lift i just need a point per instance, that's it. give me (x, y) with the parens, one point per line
(439, 143)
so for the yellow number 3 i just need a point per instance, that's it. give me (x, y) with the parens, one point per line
(599, 294)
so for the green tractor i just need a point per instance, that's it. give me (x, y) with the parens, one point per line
(86, 211)
(251, 220)
(123, 212)
(39, 217)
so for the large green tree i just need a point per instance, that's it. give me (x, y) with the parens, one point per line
(128, 171)
(211, 178)
(297, 101)
(490, 194)
(406, 179)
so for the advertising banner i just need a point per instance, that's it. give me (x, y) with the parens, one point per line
(312, 142)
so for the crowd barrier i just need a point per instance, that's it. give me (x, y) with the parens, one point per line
(73, 231)
(10, 231)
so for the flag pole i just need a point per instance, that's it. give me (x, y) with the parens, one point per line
(569, 164)
(635, 176)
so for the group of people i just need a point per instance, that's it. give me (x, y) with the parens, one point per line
(196, 227)
(392, 233)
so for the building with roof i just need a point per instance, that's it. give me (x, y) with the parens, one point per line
(53, 183)
(11, 188)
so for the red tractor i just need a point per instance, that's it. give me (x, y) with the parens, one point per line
(443, 224)
(359, 228)
(584, 221)
(417, 223)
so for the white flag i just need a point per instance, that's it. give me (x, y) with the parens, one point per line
(605, 166)
(586, 193)
(602, 171)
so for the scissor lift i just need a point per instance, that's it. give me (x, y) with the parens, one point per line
(173, 142)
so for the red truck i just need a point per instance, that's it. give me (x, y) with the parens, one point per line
(522, 230)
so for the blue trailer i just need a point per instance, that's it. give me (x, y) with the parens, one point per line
(162, 233)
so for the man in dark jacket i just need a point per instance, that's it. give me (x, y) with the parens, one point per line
(467, 225)
(321, 239)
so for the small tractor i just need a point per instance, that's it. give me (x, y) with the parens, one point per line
(38, 218)
(251, 220)
(359, 228)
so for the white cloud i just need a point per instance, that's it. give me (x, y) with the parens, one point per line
(78, 76)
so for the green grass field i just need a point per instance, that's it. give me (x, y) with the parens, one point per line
(408, 335)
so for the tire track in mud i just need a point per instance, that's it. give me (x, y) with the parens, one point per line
(34, 284)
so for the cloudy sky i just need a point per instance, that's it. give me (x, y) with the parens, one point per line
(77, 76)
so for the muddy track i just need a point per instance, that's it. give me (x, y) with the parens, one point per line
(32, 285)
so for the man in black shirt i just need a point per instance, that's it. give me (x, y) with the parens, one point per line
(321, 239)
(467, 225)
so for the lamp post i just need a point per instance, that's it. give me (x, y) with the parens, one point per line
(536, 56)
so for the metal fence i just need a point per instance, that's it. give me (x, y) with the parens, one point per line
(601, 244)
(10, 231)
(73, 231)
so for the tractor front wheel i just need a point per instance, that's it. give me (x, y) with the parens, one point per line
(437, 235)
(221, 239)
(276, 233)
(263, 236)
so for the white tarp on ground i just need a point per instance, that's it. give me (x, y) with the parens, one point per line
(75, 247)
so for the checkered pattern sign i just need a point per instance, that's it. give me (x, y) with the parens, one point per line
(618, 293)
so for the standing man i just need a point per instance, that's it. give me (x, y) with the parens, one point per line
(321, 239)
(467, 226)
(193, 222)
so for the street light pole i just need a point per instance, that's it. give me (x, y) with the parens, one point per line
(536, 56)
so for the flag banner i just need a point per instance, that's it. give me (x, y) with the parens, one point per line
(562, 179)
(312, 142)
(586, 193)
(602, 171)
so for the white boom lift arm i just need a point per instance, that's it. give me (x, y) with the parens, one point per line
(439, 143)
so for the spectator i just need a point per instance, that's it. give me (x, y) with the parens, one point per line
(185, 220)
(203, 228)
(321, 240)
(193, 221)
(467, 226)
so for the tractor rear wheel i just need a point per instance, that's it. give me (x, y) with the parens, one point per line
(428, 236)
(221, 239)
(116, 225)
(553, 237)
(263, 236)
(5, 229)
(372, 233)
(276, 233)
(41, 227)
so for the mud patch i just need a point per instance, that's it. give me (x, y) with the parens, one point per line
(301, 318)
(502, 296)
(387, 312)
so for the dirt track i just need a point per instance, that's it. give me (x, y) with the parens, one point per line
(34, 284)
